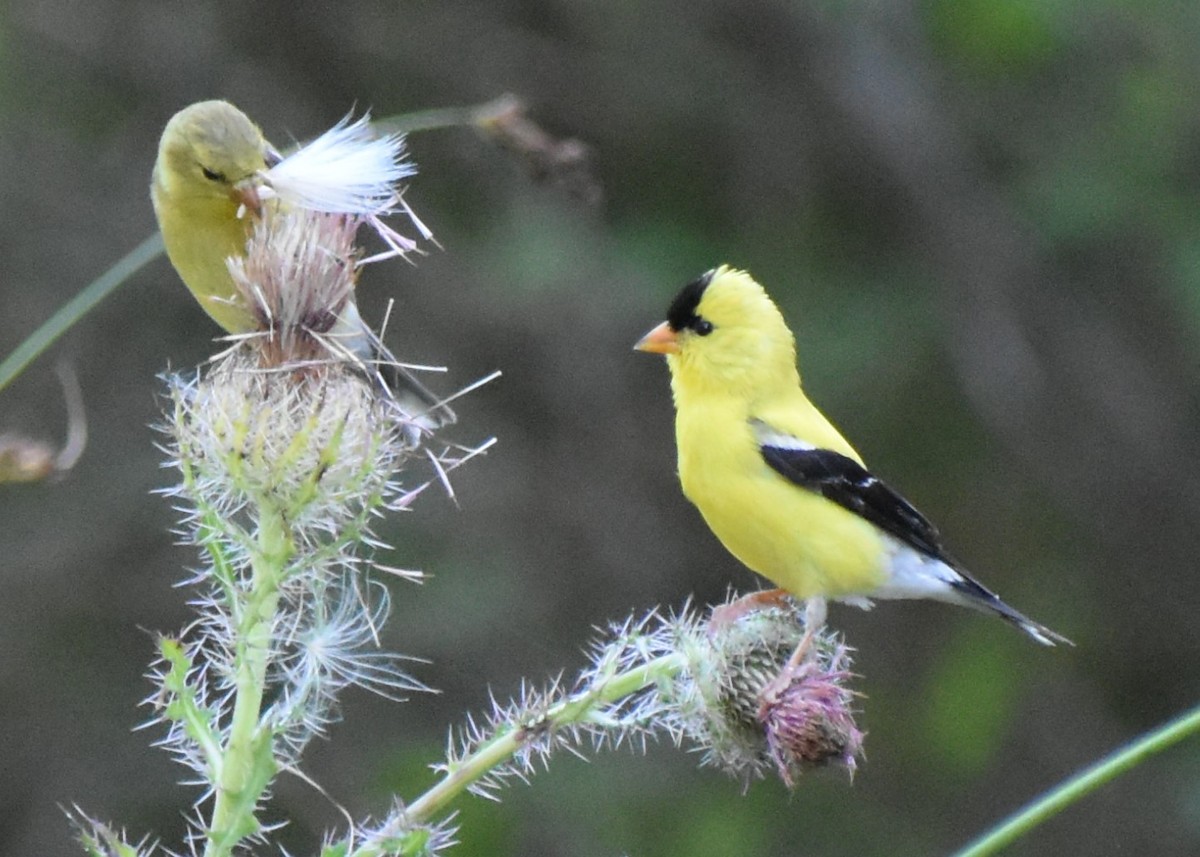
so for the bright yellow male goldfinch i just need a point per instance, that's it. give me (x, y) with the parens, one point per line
(214, 175)
(775, 481)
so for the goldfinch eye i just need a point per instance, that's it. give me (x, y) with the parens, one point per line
(212, 175)
(703, 327)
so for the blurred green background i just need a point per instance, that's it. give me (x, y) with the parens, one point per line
(981, 218)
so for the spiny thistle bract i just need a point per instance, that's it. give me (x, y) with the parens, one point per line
(748, 713)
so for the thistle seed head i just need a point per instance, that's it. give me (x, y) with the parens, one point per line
(749, 713)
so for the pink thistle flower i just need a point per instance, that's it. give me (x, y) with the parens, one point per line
(807, 716)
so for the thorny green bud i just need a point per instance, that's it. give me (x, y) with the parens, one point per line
(318, 447)
(735, 700)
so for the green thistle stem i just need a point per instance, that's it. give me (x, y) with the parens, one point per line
(506, 743)
(77, 307)
(437, 118)
(247, 765)
(1083, 784)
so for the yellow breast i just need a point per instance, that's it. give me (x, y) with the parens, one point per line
(200, 233)
(796, 538)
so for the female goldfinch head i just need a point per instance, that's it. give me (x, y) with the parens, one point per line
(206, 150)
(723, 333)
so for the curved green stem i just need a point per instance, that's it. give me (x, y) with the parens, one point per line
(506, 743)
(1084, 783)
(77, 307)
(437, 118)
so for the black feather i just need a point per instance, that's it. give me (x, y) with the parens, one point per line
(682, 315)
(844, 481)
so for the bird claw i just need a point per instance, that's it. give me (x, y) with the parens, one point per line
(800, 664)
(802, 659)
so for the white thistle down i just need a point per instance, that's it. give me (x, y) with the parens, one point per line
(347, 170)
(350, 170)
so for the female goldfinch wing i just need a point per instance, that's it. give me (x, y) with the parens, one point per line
(208, 183)
(844, 481)
(775, 481)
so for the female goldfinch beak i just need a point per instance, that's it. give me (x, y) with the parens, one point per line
(246, 192)
(661, 340)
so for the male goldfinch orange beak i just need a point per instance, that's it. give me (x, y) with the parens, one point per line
(660, 340)
(775, 481)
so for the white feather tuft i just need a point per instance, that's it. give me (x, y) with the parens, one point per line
(350, 170)
(347, 170)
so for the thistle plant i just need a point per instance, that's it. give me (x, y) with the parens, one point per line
(290, 447)
(676, 676)
(288, 456)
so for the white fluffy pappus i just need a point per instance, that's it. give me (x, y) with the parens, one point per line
(347, 170)
(350, 170)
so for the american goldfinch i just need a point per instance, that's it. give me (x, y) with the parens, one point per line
(216, 172)
(775, 481)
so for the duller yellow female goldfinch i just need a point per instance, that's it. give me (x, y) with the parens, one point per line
(216, 172)
(776, 482)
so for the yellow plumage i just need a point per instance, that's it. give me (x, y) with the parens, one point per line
(775, 481)
(208, 158)
(750, 374)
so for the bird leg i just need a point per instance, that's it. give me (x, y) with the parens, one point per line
(727, 614)
(815, 611)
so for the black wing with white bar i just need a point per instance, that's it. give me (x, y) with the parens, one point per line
(844, 481)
